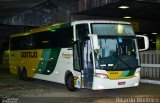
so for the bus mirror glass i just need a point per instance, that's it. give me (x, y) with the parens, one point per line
(143, 42)
(94, 41)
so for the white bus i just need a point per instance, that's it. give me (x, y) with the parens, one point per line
(92, 54)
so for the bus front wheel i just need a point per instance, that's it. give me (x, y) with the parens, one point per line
(69, 82)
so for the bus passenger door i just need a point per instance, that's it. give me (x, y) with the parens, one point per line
(87, 64)
(77, 65)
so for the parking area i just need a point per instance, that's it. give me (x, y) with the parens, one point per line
(40, 90)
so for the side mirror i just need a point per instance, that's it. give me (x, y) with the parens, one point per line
(145, 42)
(94, 41)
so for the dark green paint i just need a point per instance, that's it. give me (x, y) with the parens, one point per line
(51, 64)
(49, 61)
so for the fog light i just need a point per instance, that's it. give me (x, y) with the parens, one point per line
(136, 84)
(100, 87)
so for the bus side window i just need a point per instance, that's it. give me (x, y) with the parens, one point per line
(82, 30)
(27, 42)
(14, 43)
(60, 38)
(18, 43)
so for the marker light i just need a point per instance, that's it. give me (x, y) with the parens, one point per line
(26, 34)
(52, 30)
(48, 71)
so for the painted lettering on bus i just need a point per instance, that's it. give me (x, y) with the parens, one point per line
(29, 54)
(67, 56)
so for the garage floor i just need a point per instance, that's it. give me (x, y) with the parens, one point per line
(42, 91)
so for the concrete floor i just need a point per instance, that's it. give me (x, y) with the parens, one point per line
(42, 91)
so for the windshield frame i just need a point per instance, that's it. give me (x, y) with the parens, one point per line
(91, 27)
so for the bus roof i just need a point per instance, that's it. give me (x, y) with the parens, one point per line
(99, 21)
(63, 25)
(41, 29)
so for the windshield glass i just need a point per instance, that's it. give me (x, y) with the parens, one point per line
(117, 46)
(116, 53)
(105, 29)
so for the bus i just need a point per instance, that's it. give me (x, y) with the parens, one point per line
(93, 54)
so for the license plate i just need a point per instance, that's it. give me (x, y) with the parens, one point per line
(121, 83)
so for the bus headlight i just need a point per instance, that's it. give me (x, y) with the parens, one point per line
(137, 74)
(100, 75)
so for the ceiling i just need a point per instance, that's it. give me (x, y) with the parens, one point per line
(146, 10)
(10, 8)
(138, 9)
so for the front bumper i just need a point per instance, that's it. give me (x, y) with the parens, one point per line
(100, 83)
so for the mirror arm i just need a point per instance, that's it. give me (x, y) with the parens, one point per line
(146, 42)
(94, 40)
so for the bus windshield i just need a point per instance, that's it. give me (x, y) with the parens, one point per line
(117, 47)
(116, 53)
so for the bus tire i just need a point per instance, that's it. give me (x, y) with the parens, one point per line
(69, 82)
(19, 73)
(24, 74)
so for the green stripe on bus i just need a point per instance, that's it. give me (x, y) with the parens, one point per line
(53, 61)
(43, 61)
(125, 73)
(131, 72)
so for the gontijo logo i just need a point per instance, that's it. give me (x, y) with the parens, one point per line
(113, 72)
(29, 54)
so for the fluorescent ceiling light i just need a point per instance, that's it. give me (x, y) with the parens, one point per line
(127, 17)
(154, 33)
(123, 7)
(45, 41)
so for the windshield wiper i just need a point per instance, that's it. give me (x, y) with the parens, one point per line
(118, 58)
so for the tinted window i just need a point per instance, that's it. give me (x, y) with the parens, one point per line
(60, 38)
(22, 42)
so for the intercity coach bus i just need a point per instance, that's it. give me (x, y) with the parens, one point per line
(94, 54)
